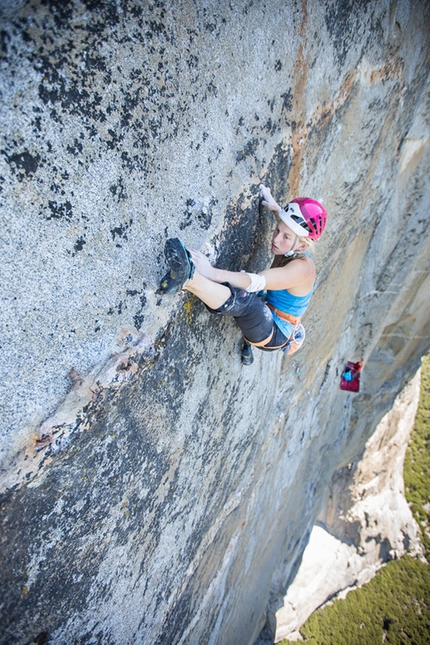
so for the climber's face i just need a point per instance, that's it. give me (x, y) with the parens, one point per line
(283, 239)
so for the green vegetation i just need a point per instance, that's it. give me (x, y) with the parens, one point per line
(394, 607)
(417, 461)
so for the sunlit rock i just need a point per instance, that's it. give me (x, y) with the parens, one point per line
(154, 490)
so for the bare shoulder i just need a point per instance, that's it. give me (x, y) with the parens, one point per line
(298, 276)
(305, 270)
(305, 265)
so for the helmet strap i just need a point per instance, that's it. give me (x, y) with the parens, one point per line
(292, 251)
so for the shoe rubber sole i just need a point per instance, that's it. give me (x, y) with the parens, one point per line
(181, 266)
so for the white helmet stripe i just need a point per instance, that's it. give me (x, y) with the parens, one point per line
(294, 224)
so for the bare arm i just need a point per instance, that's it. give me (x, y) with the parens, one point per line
(235, 278)
(297, 276)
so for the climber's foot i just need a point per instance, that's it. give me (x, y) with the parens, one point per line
(181, 266)
(246, 354)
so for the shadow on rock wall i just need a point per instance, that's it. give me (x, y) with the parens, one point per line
(154, 489)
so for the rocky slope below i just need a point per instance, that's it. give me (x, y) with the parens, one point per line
(366, 521)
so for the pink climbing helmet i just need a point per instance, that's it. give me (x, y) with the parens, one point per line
(305, 217)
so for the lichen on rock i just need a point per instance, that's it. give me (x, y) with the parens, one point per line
(155, 490)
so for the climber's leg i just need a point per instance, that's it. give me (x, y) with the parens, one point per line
(212, 294)
(250, 312)
(183, 275)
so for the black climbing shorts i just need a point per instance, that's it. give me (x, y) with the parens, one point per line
(253, 317)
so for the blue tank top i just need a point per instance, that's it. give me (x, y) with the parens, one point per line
(289, 304)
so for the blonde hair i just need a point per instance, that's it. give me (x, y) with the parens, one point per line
(307, 241)
(282, 260)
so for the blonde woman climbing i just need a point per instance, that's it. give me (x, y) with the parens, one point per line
(267, 306)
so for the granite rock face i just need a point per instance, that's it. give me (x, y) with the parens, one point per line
(153, 489)
(366, 521)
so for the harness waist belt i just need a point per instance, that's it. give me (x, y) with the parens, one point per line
(264, 342)
(294, 320)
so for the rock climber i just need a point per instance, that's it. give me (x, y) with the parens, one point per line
(272, 321)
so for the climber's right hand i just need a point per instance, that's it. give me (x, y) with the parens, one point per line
(267, 199)
(202, 264)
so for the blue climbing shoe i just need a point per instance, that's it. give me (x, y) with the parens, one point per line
(246, 353)
(181, 266)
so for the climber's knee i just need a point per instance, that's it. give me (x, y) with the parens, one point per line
(236, 304)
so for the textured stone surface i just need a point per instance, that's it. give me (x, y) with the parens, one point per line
(155, 491)
(366, 521)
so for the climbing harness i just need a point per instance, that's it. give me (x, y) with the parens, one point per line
(294, 320)
(296, 339)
